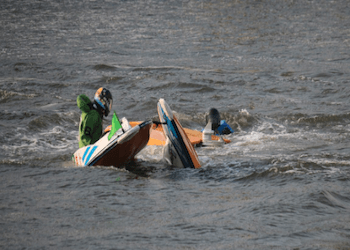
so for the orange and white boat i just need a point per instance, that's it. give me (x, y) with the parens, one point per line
(158, 138)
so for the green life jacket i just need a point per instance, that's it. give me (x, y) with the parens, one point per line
(90, 127)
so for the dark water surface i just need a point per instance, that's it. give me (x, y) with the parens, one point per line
(279, 73)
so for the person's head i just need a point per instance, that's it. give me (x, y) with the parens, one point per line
(214, 118)
(103, 98)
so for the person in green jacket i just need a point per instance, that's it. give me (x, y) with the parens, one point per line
(90, 127)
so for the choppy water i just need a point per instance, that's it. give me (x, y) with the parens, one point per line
(279, 73)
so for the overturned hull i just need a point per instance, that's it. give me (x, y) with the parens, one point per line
(178, 150)
(158, 138)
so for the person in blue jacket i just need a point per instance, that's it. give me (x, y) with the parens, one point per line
(220, 127)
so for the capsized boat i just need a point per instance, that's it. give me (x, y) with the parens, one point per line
(210, 135)
(158, 138)
(178, 150)
(115, 149)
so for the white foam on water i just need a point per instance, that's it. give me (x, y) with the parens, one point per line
(48, 143)
(271, 146)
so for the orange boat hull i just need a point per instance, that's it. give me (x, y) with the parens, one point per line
(157, 136)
